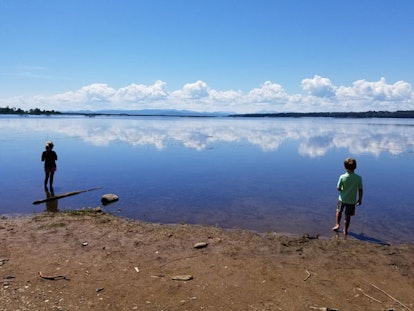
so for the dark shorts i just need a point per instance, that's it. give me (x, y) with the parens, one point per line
(50, 169)
(349, 208)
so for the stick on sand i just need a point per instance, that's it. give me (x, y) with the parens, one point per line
(383, 291)
(64, 195)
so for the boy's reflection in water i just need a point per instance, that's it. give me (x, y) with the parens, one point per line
(52, 205)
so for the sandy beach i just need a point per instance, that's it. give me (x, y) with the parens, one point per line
(89, 260)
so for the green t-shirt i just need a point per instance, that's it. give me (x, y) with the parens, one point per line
(349, 184)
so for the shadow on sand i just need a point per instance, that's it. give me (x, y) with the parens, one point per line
(365, 238)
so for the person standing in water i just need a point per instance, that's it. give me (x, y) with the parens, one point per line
(49, 157)
(349, 186)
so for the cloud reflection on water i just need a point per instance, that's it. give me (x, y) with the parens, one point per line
(315, 136)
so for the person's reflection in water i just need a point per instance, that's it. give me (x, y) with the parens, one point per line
(52, 205)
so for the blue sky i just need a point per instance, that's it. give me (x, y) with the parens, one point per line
(211, 55)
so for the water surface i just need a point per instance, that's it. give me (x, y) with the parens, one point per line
(260, 174)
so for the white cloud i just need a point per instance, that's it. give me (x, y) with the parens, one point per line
(318, 86)
(379, 90)
(197, 90)
(269, 92)
(320, 94)
(140, 92)
(230, 97)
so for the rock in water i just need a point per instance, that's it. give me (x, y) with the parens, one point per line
(109, 198)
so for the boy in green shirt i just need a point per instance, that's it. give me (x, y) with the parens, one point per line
(349, 185)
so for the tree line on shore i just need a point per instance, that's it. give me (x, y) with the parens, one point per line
(366, 114)
(19, 111)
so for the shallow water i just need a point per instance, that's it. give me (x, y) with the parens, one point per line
(259, 174)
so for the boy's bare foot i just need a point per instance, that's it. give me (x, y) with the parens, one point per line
(335, 228)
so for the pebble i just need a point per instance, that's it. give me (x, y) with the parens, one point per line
(186, 277)
(200, 245)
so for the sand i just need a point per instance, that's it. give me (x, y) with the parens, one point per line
(89, 260)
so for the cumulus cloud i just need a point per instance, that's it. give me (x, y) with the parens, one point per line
(379, 90)
(320, 94)
(140, 92)
(318, 86)
(195, 90)
(267, 93)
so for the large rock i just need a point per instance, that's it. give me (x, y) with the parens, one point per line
(109, 198)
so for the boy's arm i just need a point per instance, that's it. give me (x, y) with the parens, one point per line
(339, 185)
(360, 193)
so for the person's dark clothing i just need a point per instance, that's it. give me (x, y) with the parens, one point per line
(49, 157)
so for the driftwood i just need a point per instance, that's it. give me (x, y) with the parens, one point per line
(308, 276)
(366, 295)
(383, 291)
(64, 195)
(53, 278)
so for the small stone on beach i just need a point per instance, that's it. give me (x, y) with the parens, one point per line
(200, 245)
(186, 277)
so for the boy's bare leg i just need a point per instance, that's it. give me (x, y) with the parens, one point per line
(338, 221)
(346, 223)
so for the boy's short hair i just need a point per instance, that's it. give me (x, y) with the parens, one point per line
(350, 163)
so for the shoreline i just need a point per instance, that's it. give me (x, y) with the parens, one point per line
(335, 235)
(89, 260)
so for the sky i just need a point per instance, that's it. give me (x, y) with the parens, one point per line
(240, 56)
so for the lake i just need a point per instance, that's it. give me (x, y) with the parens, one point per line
(261, 174)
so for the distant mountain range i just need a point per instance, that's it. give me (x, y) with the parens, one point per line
(187, 113)
(151, 112)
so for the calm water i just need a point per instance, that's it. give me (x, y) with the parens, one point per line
(259, 174)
